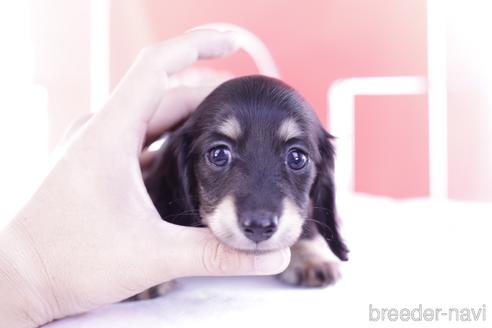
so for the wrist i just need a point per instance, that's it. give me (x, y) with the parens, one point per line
(22, 282)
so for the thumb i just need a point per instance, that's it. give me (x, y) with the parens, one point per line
(203, 255)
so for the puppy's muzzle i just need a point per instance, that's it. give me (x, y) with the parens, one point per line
(258, 225)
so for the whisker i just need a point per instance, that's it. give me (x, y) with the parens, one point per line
(330, 210)
(183, 213)
(322, 224)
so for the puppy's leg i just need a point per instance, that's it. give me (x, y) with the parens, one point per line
(312, 264)
(154, 292)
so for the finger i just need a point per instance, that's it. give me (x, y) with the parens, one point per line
(175, 107)
(138, 95)
(176, 54)
(74, 127)
(201, 254)
(146, 159)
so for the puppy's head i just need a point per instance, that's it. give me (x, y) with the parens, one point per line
(254, 165)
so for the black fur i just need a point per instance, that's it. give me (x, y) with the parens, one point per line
(183, 186)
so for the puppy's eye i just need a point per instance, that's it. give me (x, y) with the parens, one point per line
(219, 156)
(296, 159)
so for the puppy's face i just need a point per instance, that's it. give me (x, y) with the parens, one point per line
(254, 152)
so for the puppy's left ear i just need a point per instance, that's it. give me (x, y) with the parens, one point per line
(170, 182)
(323, 197)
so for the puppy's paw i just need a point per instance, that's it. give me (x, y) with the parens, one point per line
(312, 264)
(311, 273)
(153, 292)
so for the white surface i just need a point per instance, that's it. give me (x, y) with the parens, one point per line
(403, 253)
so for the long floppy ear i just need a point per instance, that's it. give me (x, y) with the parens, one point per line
(170, 181)
(323, 198)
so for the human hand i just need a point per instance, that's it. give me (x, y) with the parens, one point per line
(90, 235)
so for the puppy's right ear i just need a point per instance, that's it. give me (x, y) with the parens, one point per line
(170, 181)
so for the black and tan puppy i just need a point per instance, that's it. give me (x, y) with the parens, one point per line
(255, 166)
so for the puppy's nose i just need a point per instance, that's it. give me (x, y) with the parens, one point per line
(259, 226)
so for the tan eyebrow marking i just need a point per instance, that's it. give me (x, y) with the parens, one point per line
(289, 129)
(230, 128)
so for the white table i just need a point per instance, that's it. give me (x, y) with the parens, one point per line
(403, 253)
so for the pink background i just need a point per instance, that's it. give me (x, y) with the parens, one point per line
(313, 43)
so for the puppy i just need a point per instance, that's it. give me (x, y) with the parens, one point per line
(255, 166)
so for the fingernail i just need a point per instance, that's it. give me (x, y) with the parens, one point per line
(272, 263)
